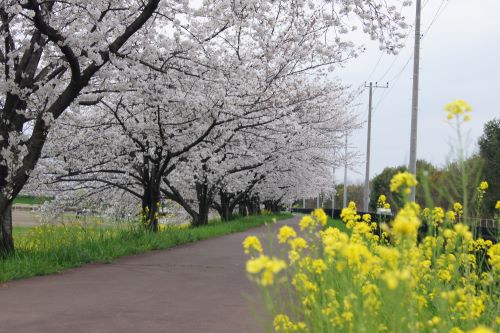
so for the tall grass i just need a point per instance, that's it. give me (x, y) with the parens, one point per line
(49, 249)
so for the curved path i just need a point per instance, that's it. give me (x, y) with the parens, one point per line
(198, 287)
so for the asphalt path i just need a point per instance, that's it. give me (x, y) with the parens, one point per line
(198, 287)
(24, 218)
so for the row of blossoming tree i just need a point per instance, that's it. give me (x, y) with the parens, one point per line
(206, 104)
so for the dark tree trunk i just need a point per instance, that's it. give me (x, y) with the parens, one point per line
(253, 206)
(151, 205)
(6, 239)
(273, 206)
(242, 209)
(226, 209)
(204, 196)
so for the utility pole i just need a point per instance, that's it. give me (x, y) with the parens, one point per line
(366, 192)
(345, 172)
(414, 99)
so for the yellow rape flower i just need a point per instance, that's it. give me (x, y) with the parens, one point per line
(286, 233)
(481, 329)
(252, 242)
(382, 202)
(457, 108)
(298, 244)
(494, 257)
(406, 222)
(320, 215)
(349, 215)
(458, 208)
(282, 323)
(404, 181)
(463, 231)
(391, 280)
(434, 321)
(437, 215)
(456, 330)
(483, 186)
(318, 266)
(307, 222)
(267, 266)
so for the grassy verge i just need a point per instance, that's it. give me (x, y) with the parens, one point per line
(51, 249)
(29, 200)
(336, 223)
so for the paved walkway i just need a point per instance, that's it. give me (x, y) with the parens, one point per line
(199, 287)
(24, 218)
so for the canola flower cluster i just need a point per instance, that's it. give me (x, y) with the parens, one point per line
(458, 108)
(481, 189)
(403, 181)
(382, 202)
(387, 279)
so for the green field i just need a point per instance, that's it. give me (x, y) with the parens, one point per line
(49, 249)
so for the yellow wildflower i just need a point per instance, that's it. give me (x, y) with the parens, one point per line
(403, 180)
(286, 233)
(437, 215)
(367, 218)
(382, 201)
(497, 206)
(298, 244)
(267, 266)
(434, 321)
(406, 222)
(481, 329)
(451, 216)
(463, 231)
(252, 242)
(457, 108)
(318, 266)
(307, 222)
(494, 257)
(456, 330)
(458, 208)
(282, 323)
(349, 215)
(483, 186)
(426, 213)
(321, 216)
(391, 280)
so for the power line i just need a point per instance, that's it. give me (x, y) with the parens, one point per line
(394, 80)
(376, 66)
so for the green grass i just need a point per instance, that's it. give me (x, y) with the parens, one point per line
(338, 224)
(51, 249)
(30, 200)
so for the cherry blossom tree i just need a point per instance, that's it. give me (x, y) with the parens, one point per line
(51, 51)
(160, 103)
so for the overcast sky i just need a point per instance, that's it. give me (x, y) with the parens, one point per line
(460, 58)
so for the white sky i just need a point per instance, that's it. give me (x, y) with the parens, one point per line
(460, 58)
